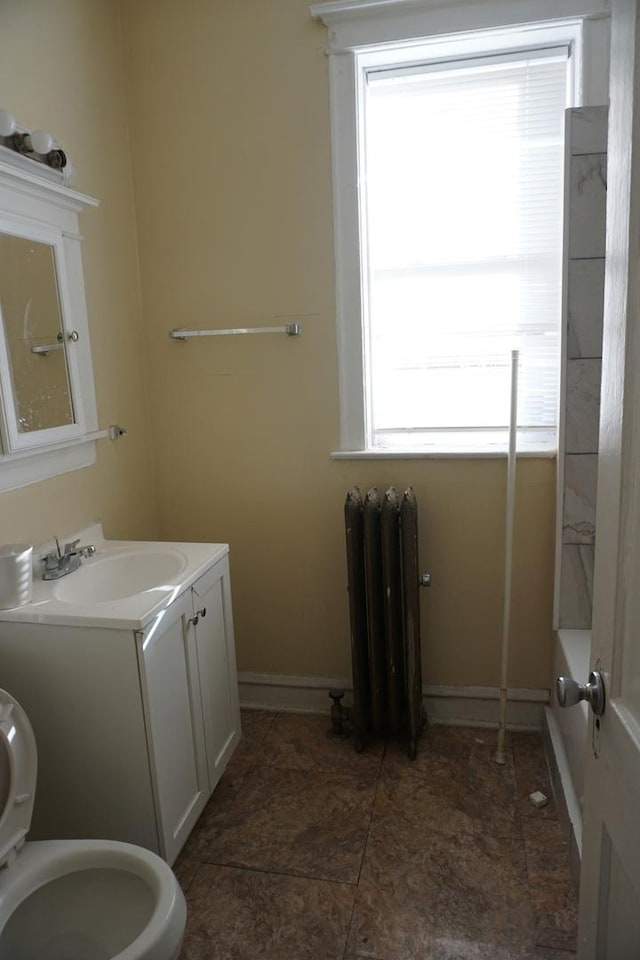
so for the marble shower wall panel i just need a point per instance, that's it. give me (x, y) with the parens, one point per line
(587, 205)
(585, 298)
(580, 486)
(577, 586)
(585, 210)
(588, 130)
(582, 424)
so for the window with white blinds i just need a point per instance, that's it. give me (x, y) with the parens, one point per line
(461, 202)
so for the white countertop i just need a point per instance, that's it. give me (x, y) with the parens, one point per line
(133, 612)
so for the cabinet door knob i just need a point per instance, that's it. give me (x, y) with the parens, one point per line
(199, 613)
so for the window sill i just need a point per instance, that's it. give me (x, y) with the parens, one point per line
(542, 453)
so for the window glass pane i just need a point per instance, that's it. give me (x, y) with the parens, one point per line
(464, 181)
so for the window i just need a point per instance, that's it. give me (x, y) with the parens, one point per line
(461, 230)
(448, 180)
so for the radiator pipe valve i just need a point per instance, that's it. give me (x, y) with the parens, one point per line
(339, 714)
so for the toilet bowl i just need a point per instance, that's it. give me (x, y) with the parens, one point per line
(75, 899)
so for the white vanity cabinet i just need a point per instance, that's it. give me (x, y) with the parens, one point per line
(190, 694)
(134, 727)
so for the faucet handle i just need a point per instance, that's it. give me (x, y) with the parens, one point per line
(50, 561)
(71, 547)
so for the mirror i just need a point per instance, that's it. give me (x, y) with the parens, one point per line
(39, 381)
(31, 314)
(48, 417)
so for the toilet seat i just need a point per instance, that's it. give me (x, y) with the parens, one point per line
(68, 899)
(18, 771)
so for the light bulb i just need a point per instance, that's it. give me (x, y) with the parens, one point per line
(7, 123)
(41, 141)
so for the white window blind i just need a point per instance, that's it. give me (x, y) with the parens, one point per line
(461, 232)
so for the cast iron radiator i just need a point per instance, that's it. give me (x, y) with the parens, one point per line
(384, 608)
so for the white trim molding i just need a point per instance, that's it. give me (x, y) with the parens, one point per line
(363, 31)
(36, 208)
(21, 469)
(451, 705)
(356, 23)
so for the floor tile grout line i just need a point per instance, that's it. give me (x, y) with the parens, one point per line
(273, 715)
(364, 848)
(277, 873)
(372, 813)
(186, 887)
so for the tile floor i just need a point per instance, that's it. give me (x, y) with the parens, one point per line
(309, 851)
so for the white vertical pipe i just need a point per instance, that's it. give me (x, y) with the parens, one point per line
(508, 554)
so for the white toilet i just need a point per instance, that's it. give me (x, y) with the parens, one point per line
(75, 899)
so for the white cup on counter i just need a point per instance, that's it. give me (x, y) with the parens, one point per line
(16, 574)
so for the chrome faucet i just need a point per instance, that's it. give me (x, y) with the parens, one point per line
(64, 561)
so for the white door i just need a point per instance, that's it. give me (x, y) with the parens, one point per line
(609, 920)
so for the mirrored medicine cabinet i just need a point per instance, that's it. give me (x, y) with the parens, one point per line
(48, 417)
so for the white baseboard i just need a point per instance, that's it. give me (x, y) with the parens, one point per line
(452, 705)
(267, 691)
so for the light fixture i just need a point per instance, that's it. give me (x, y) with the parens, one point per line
(41, 142)
(8, 125)
(38, 145)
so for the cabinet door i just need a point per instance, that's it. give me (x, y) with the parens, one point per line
(168, 667)
(217, 668)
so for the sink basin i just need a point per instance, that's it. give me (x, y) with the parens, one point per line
(120, 575)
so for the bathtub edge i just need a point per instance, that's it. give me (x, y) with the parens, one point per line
(566, 797)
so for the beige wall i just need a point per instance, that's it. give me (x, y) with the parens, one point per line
(230, 135)
(61, 69)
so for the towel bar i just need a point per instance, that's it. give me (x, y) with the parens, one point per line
(291, 329)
